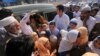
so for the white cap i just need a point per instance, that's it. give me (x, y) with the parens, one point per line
(72, 35)
(74, 21)
(86, 8)
(7, 21)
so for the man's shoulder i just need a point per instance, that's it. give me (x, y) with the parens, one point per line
(97, 16)
(92, 18)
(65, 16)
(56, 30)
(2, 31)
(57, 16)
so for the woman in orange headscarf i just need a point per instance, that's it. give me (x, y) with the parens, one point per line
(83, 38)
(43, 47)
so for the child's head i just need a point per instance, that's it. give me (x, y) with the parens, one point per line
(77, 8)
(73, 23)
(52, 25)
(97, 42)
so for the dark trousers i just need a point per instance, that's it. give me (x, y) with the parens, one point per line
(78, 51)
(63, 53)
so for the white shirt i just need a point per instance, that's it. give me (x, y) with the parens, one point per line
(90, 23)
(65, 44)
(26, 29)
(97, 18)
(61, 22)
(76, 14)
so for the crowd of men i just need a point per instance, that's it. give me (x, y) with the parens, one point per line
(71, 33)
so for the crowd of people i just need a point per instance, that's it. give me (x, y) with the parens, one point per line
(71, 33)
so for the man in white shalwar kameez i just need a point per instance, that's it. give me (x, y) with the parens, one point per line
(85, 19)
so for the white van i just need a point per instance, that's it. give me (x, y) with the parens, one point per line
(47, 10)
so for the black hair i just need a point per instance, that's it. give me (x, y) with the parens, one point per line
(5, 13)
(39, 26)
(73, 23)
(79, 34)
(36, 17)
(95, 9)
(52, 23)
(60, 7)
(98, 37)
(20, 46)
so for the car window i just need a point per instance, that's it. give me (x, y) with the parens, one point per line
(51, 15)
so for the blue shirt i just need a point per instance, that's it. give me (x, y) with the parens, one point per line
(61, 22)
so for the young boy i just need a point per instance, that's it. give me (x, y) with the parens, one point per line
(72, 25)
(53, 29)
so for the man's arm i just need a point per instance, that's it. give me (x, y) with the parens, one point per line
(26, 29)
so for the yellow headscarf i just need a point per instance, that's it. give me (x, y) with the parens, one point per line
(83, 39)
(40, 45)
